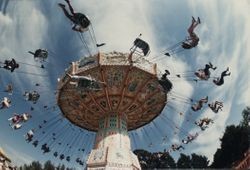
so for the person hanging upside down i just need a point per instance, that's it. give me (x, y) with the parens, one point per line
(81, 21)
(193, 39)
(10, 65)
(216, 106)
(199, 105)
(220, 80)
(190, 42)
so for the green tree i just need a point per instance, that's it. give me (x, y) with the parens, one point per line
(25, 167)
(246, 117)
(144, 158)
(199, 161)
(49, 166)
(184, 161)
(35, 165)
(155, 160)
(167, 161)
(61, 167)
(233, 143)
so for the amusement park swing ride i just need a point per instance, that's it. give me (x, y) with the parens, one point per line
(108, 94)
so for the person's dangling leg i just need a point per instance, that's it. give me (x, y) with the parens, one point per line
(70, 7)
(211, 66)
(195, 25)
(219, 108)
(224, 73)
(66, 13)
(191, 28)
(206, 69)
(193, 19)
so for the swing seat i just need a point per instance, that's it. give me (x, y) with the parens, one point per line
(139, 43)
(81, 22)
(79, 28)
(186, 45)
(166, 85)
(89, 85)
(41, 55)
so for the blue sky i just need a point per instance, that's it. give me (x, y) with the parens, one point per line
(224, 38)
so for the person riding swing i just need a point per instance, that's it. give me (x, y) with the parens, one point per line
(81, 21)
(220, 80)
(193, 39)
(204, 74)
(190, 42)
(10, 65)
(199, 104)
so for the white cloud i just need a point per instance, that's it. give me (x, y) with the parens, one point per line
(18, 158)
(5, 19)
